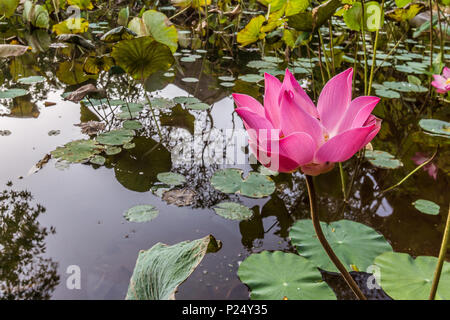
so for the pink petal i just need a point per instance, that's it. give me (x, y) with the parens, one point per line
(281, 163)
(272, 88)
(439, 82)
(343, 146)
(301, 98)
(253, 120)
(357, 113)
(245, 101)
(446, 72)
(335, 99)
(298, 146)
(316, 169)
(296, 119)
(376, 122)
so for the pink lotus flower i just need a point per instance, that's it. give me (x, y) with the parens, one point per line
(430, 168)
(442, 82)
(289, 132)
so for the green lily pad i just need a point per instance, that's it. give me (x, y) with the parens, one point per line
(382, 159)
(386, 93)
(112, 150)
(116, 137)
(161, 269)
(254, 186)
(12, 93)
(77, 151)
(8, 7)
(404, 86)
(189, 79)
(99, 160)
(141, 213)
(162, 103)
(31, 80)
(435, 126)
(130, 111)
(279, 275)
(426, 206)
(140, 57)
(233, 211)
(132, 125)
(405, 278)
(160, 28)
(171, 178)
(252, 78)
(198, 106)
(227, 84)
(260, 64)
(129, 145)
(355, 244)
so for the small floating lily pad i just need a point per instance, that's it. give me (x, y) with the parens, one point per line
(279, 275)
(112, 150)
(31, 80)
(98, 160)
(189, 79)
(252, 78)
(116, 137)
(162, 103)
(171, 178)
(355, 244)
(198, 106)
(233, 211)
(382, 159)
(426, 206)
(255, 185)
(141, 213)
(405, 278)
(132, 125)
(12, 93)
(435, 126)
(386, 93)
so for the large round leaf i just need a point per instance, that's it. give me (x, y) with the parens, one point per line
(8, 7)
(355, 244)
(141, 213)
(140, 57)
(161, 269)
(405, 278)
(280, 275)
(116, 137)
(255, 186)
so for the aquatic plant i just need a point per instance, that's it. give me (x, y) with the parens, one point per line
(442, 82)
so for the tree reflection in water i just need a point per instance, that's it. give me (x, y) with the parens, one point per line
(24, 272)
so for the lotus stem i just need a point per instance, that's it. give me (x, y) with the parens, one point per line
(372, 68)
(442, 254)
(341, 172)
(323, 241)
(363, 34)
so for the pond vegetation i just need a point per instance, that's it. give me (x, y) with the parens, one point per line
(133, 123)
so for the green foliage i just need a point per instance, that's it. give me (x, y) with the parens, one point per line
(161, 269)
(8, 7)
(382, 159)
(141, 213)
(280, 275)
(426, 206)
(233, 211)
(77, 151)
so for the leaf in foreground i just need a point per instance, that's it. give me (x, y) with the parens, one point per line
(279, 275)
(161, 269)
(406, 278)
(355, 244)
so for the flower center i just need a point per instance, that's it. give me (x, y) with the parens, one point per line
(448, 81)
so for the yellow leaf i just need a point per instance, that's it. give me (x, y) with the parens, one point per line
(71, 25)
(252, 31)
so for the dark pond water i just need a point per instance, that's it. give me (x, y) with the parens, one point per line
(84, 203)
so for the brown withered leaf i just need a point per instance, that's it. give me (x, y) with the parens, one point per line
(82, 92)
(179, 197)
(91, 127)
(41, 163)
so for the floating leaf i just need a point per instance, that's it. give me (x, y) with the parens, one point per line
(253, 78)
(279, 275)
(71, 25)
(77, 151)
(426, 206)
(355, 244)
(161, 269)
(113, 150)
(132, 125)
(140, 57)
(233, 211)
(386, 93)
(405, 278)
(98, 160)
(116, 137)
(141, 213)
(254, 186)
(171, 178)
(382, 159)
(404, 86)
(12, 93)
(31, 80)
(435, 126)
(162, 103)
(179, 197)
